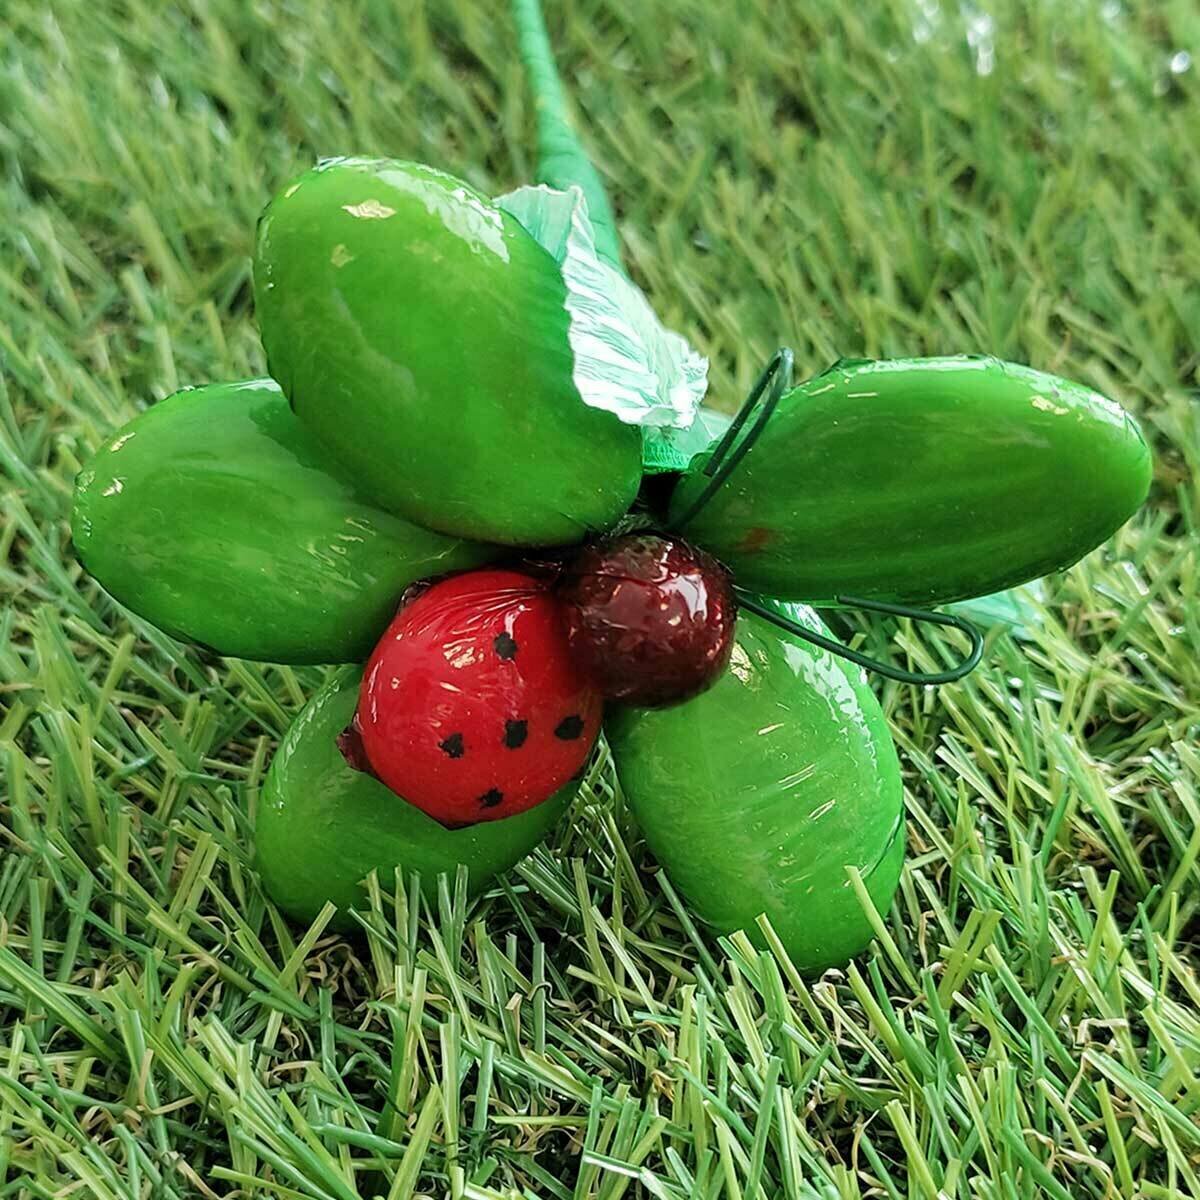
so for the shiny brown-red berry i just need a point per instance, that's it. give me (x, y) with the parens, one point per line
(649, 618)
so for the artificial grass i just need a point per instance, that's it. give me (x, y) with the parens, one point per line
(891, 178)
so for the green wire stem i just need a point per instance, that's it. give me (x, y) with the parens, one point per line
(562, 160)
(563, 163)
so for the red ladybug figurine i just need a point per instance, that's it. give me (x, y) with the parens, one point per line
(471, 707)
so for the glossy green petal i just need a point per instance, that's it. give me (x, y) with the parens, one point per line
(321, 827)
(922, 481)
(213, 516)
(421, 333)
(756, 795)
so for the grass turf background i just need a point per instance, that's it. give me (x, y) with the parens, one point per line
(888, 178)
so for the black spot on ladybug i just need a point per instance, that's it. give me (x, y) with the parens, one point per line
(505, 646)
(569, 728)
(515, 733)
(453, 745)
(491, 798)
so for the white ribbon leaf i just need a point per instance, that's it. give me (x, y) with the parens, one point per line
(625, 361)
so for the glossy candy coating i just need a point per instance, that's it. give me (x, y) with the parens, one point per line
(755, 795)
(471, 708)
(420, 332)
(649, 618)
(322, 827)
(214, 515)
(922, 481)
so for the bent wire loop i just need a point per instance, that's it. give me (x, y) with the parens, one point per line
(873, 664)
(772, 384)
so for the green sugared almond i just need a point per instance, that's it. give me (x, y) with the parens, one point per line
(321, 827)
(214, 516)
(922, 481)
(420, 333)
(757, 794)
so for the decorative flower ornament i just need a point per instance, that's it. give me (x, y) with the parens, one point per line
(470, 395)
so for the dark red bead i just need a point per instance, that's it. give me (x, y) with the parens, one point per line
(649, 618)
